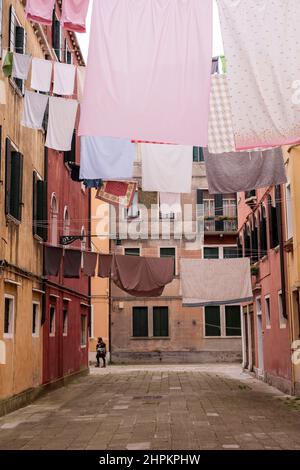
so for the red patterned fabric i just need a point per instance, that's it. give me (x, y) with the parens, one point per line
(118, 193)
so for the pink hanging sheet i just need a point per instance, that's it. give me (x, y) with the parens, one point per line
(148, 73)
(40, 11)
(73, 15)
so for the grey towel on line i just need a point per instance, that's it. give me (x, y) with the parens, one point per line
(243, 171)
(53, 255)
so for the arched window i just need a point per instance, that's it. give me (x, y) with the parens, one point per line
(83, 241)
(53, 220)
(66, 227)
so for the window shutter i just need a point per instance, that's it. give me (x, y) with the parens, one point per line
(7, 175)
(12, 27)
(140, 321)
(16, 185)
(34, 204)
(20, 40)
(70, 156)
(56, 35)
(1, 12)
(200, 194)
(42, 210)
(219, 225)
(160, 321)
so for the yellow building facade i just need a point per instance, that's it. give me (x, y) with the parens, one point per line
(292, 246)
(22, 163)
(100, 303)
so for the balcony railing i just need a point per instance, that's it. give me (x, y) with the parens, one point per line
(220, 224)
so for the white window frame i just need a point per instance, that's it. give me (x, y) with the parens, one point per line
(289, 211)
(83, 345)
(11, 322)
(220, 248)
(37, 319)
(133, 248)
(268, 311)
(282, 319)
(65, 330)
(52, 334)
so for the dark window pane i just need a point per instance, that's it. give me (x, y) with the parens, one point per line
(230, 252)
(212, 321)
(168, 252)
(211, 253)
(132, 251)
(70, 156)
(233, 320)
(6, 315)
(52, 320)
(198, 154)
(160, 321)
(140, 321)
(34, 313)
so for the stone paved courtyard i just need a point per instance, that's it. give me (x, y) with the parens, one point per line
(157, 407)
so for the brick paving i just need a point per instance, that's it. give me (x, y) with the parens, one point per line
(157, 407)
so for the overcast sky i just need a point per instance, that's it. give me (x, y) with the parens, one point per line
(217, 42)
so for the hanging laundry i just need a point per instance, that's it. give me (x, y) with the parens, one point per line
(104, 265)
(243, 171)
(89, 263)
(64, 79)
(41, 74)
(72, 263)
(223, 63)
(118, 193)
(167, 168)
(139, 276)
(8, 64)
(220, 128)
(40, 11)
(61, 123)
(2, 92)
(262, 46)
(215, 281)
(52, 259)
(170, 203)
(73, 15)
(215, 65)
(81, 72)
(35, 105)
(148, 199)
(107, 158)
(93, 184)
(21, 66)
(152, 84)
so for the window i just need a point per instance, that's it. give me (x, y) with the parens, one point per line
(282, 319)
(13, 181)
(65, 321)
(250, 194)
(233, 320)
(263, 233)
(53, 215)
(133, 211)
(209, 214)
(17, 41)
(160, 321)
(169, 252)
(212, 321)
(52, 321)
(56, 36)
(140, 321)
(289, 211)
(230, 252)
(211, 252)
(198, 155)
(35, 319)
(9, 308)
(91, 322)
(83, 331)
(67, 222)
(132, 251)
(268, 312)
(230, 211)
(68, 54)
(273, 223)
(40, 208)
(70, 156)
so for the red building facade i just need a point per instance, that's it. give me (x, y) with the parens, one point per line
(67, 301)
(265, 325)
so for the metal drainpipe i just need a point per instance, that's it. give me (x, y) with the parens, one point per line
(282, 272)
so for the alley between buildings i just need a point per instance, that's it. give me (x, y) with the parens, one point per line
(158, 407)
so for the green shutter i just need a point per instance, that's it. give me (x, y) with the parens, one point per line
(42, 210)
(160, 321)
(233, 320)
(7, 175)
(16, 185)
(34, 203)
(140, 321)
